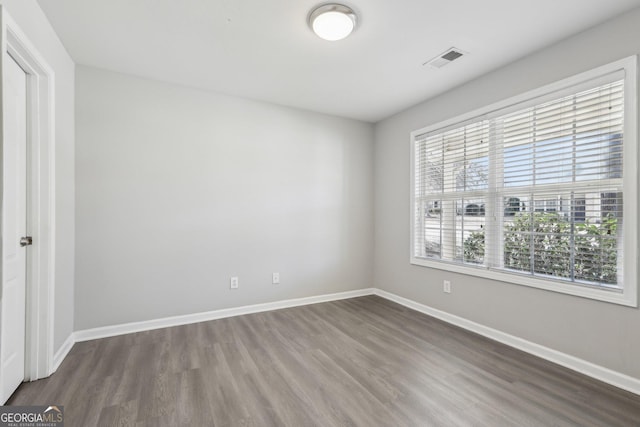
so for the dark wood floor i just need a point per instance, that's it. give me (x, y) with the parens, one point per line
(363, 361)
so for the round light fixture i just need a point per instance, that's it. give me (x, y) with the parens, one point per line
(332, 21)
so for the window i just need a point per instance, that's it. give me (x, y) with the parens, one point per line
(539, 190)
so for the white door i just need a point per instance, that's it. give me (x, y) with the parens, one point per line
(14, 227)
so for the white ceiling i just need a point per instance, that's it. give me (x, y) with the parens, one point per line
(264, 49)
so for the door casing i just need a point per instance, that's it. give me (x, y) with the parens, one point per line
(39, 360)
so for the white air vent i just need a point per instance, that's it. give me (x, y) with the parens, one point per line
(445, 58)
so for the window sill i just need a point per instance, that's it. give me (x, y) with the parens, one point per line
(627, 297)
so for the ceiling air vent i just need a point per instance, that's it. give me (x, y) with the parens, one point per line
(445, 58)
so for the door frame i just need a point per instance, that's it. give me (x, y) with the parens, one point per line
(40, 286)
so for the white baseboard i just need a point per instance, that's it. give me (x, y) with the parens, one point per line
(606, 375)
(601, 373)
(147, 325)
(62, 352)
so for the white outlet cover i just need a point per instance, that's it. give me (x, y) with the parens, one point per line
(446, 286)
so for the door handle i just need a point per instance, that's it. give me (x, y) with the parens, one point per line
(26, 241)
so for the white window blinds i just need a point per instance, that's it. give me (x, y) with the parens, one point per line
(562, 180)
(531, 190)
(451, 184)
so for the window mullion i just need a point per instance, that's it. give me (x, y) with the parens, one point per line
(572, 216)
(493, 223)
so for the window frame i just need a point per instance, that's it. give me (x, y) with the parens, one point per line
(627, 296)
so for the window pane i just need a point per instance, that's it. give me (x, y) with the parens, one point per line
(552, 239)
(576, 138)
(450, 229)
(600, 157)
(598, 239)
(517, 248)
(432, 229)
(433, 169)
(572, 235)
(454, 160)
(471, 219)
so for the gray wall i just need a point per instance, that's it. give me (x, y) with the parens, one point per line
(35, 25)
(598, 332)
(180, 189)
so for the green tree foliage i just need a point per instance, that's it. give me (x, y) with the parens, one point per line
(474, 247)
(549, 237)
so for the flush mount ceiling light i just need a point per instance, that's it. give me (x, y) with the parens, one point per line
(332, 21)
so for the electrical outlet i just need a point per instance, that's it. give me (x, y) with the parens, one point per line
(276, 278)
(234, 283)
(446, 287)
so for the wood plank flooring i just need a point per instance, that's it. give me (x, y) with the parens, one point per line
(358, 362)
